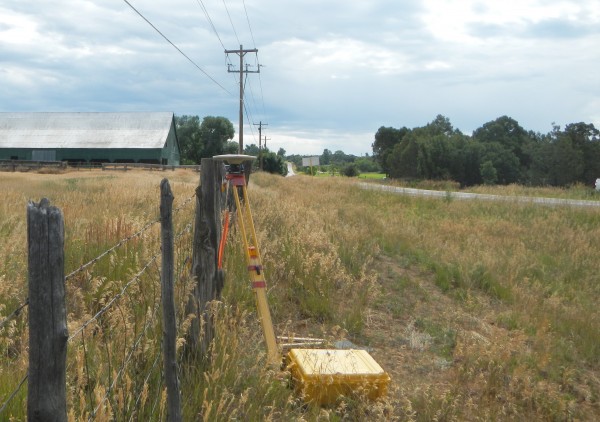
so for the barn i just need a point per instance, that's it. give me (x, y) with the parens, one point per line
(147, 137)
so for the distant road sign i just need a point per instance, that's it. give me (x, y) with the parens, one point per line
(310, 161)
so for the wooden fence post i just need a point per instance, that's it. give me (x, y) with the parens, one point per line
(207, 233)
(48, 333)
(168, 304)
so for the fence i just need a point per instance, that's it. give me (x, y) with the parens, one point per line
(23, 165)
(106, 365)
(145, 166)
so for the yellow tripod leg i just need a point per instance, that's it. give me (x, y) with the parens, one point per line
(259, 285)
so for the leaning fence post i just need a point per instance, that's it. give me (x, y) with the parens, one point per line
(207, 232)
(48, 333)
(168, 303)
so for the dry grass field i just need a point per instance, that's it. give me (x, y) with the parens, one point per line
(478, 310)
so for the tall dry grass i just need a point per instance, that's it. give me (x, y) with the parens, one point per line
(519, 335)
(479, 311)
(106, 359)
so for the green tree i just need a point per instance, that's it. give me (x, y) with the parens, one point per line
(402, 161)
(190, 140)
(251, 149)
(440, 126)
(561, 158)
(231, 147)
(367, 165)
(489, 173)
(274, 163)
(215, 132)
(386, 140)
(566, 161)
(340, 158)
(350, 170)
(281, 152)
(504, 161)
(586, 138)
(202, 140)
(507, 132)
(466, 164)
(325, 158)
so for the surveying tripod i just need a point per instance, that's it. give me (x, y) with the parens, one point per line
(236, 181)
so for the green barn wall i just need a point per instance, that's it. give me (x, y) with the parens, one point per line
(93, 155)
(168, 155)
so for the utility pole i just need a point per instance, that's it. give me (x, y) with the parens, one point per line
(241, 52)
(260, 125)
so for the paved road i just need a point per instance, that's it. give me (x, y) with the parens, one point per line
(466, 195)
(290, 170)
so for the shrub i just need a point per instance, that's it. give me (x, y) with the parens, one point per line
(350, 170)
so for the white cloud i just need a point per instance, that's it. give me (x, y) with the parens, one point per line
(334, 70)
(18, 29)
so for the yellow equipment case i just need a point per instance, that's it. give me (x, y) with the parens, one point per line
(322, 375)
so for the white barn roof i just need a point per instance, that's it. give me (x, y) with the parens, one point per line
(85, 130)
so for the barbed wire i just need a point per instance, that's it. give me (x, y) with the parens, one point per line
(87, 369)
(158, 355)
(125, 362)
(18, 310)
(184, 203)
(125, 240)
(186, 229)
(13, 394)
(115, 298)
(157, 398)
(14, 313)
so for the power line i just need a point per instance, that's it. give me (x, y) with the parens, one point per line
(249, 84)
(248, 110)
(232, 26)
(203, 7)
(177, 48)
(256, 60)
(248, 19)
(262, 97)
(249, 117)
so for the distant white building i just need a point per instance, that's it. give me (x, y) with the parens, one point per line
(598, 184)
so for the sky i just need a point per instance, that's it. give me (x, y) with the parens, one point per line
(331, 72)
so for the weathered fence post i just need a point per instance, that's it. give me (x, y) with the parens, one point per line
(48, 333)
(207, 232)
(168, 303)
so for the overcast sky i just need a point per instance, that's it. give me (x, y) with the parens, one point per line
(332, 71)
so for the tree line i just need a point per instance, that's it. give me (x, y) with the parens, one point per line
(213, 136)
(499, 152)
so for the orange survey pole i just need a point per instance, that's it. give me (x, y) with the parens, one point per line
(223, 240)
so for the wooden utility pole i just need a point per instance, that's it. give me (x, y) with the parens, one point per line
(241, 52)
(260, 125)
